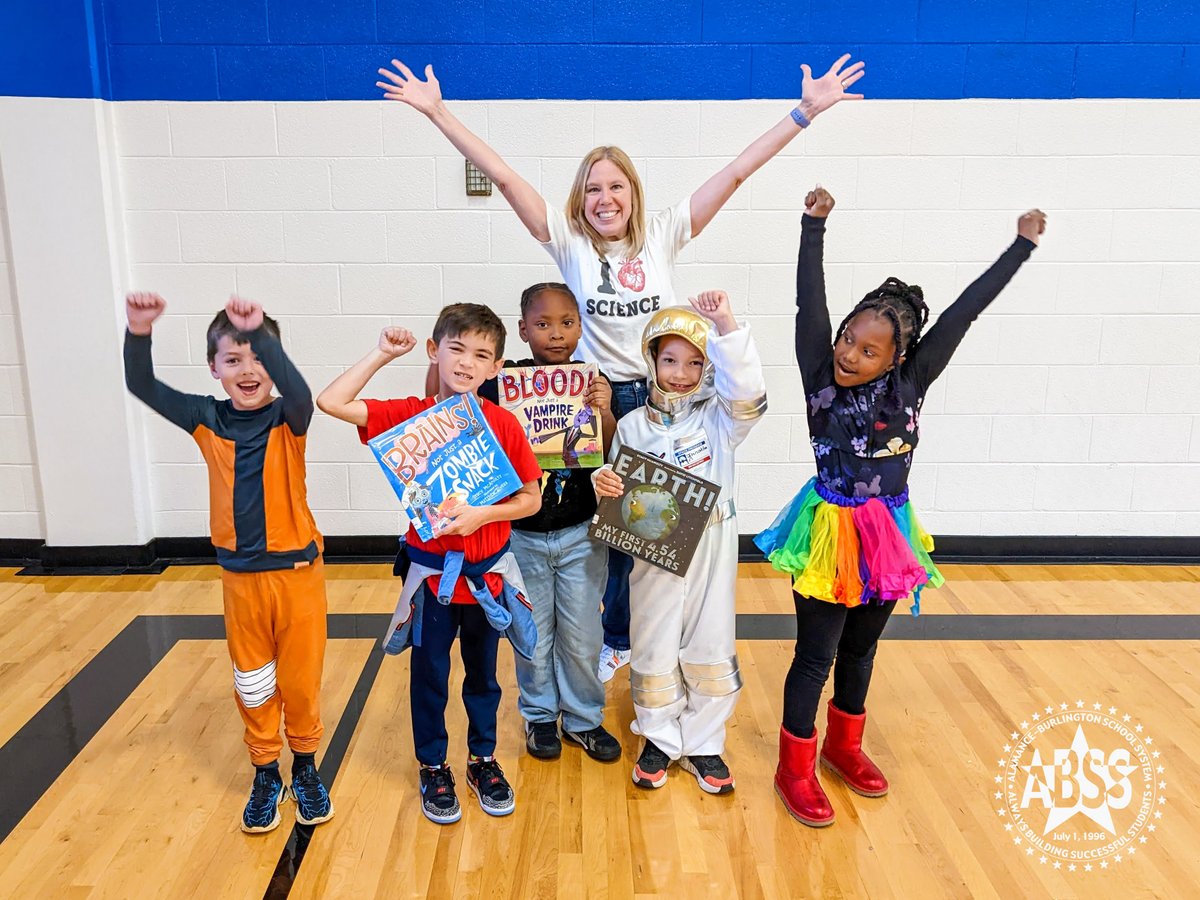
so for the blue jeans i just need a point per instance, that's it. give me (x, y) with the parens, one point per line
(627, 396)
(564, 572)
(429, 678)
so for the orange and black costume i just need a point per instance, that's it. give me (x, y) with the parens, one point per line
(266, 540)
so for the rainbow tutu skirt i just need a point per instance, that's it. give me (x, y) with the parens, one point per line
(851, 550)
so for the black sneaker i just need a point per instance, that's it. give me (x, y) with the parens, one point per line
(650, 771)
(313, 805)
(541, 740)
(486, 779)
(711, 773)
(262, 809)
(599, 744)
(438, 800)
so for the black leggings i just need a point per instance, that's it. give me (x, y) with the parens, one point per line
(824, 630)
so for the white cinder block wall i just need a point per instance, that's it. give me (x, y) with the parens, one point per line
(20, 506)
(1071, 408)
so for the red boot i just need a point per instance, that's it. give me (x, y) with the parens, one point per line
(796, 780)
(842, 753)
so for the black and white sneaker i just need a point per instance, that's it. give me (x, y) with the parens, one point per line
(650, 771)
(439, 802)
(486, 779)
(599, 744)
(711, 773)
(542, 741)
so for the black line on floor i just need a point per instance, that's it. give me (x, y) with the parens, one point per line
(953, 627)
(33, 758)
(292, 855)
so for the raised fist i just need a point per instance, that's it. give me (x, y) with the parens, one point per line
(244, 315)
(1031, 224)
(141, 309)
(395, 341)
(818, 202)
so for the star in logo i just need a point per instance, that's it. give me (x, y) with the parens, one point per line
(1045, 773)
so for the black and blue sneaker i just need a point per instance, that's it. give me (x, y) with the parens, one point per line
(439, 802)
(313, 805)
(262, 809)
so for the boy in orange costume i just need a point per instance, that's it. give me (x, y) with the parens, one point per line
(267, 543)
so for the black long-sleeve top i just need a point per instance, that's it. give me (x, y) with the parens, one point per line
(862, 443)
(258, 499)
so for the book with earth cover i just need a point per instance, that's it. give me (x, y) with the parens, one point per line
(662, 514)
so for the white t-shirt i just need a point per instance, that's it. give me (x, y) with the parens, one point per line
(618, 296)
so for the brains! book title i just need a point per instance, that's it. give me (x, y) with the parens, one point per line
(441, 457)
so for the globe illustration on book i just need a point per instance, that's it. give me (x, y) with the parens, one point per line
(650, 512)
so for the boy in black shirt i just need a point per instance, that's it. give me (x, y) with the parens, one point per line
(564, 570)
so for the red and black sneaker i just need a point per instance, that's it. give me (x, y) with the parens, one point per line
(439, 802)
(711, 773)
(486, 779)
(650, 771)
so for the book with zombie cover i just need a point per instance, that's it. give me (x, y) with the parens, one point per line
(662, 514)
(442, 457)
(564, 432)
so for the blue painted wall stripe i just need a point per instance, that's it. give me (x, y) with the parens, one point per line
(580, 49)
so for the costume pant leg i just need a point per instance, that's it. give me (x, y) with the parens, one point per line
(539, 700)
(856, 655)
(708, 654)
(429, 678)
(578, 582)
(478, 642)
(819, 627)
(300, 636)
(250, 635)
(656, 627)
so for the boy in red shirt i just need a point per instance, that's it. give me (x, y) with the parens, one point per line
(467, 348)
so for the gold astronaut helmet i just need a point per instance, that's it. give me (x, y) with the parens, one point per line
(677, 321)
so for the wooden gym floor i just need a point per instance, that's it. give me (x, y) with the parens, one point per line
(122, 771)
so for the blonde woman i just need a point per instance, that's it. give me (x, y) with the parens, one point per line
(616, 261)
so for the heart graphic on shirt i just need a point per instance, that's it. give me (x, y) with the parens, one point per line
(632, 276)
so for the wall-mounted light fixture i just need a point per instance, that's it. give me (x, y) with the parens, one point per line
(478, 184)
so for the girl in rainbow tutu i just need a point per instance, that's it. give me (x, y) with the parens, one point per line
(850, 540)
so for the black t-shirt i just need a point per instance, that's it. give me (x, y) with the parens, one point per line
(567, 495)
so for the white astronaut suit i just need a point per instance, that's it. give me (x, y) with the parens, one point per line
(684, 668)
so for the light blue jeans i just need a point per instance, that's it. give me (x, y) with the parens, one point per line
(565, 573)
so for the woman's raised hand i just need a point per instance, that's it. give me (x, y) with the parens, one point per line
(818, 94)
(403, 85)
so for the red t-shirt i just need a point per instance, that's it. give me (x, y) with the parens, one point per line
(385, 414)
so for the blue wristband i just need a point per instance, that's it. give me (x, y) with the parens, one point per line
(800, 118)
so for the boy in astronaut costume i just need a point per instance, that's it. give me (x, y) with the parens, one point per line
(706, 393)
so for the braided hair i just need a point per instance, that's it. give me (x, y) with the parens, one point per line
(528, 295)
(904, 306)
